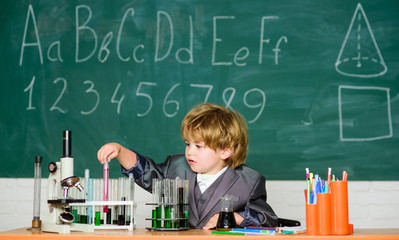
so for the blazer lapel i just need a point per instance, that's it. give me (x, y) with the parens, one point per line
(228, 179)
(193, 205)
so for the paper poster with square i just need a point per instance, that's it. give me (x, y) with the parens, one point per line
(364, 113)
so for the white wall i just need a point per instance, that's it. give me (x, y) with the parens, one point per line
(372, 204)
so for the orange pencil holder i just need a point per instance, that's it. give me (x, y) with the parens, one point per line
(329, 216)
(312, 225)
(318, 216)
(339, 208)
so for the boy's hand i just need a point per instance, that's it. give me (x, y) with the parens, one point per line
(109, 150)
(126, 157)
(213, 221)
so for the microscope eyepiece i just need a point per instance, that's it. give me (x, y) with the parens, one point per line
(67, 143)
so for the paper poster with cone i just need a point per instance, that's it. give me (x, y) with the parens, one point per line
(359, 55)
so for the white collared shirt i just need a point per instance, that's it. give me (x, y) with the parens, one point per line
(205, 180)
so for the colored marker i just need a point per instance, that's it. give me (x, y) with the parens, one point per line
(344, 176)
(308, 192)
(293, 231)
(248, 230)
(311, 182)
(308, 188)
(228, 232)
(315, 188)
(261, 228)
(245, 232)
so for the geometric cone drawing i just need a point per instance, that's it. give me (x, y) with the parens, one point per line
(359, 55)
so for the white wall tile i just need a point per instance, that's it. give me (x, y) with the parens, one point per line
(371, 204)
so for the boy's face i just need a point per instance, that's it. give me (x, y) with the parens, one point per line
(203, 159)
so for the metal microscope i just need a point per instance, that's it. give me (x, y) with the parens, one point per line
(61, 178)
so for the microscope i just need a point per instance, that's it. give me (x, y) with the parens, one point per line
(61, 178)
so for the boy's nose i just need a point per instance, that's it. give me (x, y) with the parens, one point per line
(189, 150)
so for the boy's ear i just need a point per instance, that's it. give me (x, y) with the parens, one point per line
(226, 153)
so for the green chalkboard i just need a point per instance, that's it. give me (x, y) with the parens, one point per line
(317, 81)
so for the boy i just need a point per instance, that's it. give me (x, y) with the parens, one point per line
(216, 149)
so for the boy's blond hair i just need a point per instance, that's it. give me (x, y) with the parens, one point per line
(219, 128)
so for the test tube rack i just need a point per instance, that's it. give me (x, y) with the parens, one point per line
(161, 220)
(93, 204)
(170, 201)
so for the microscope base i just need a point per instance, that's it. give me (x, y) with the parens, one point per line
(66, 228)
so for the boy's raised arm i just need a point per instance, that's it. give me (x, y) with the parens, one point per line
(126, 157)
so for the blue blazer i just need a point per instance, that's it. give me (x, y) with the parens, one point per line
(245, 185)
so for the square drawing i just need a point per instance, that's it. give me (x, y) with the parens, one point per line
(364, 113)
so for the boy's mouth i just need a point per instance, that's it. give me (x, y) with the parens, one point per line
(191, 161)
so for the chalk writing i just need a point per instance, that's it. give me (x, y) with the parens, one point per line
(30, 89)
(55, 107)
(99, 49)
(170, 106)
(145, 95)
(119, 101)
(165, 32)
(366, 66)
(359, 108)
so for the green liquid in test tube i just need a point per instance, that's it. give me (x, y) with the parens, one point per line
(75, 214)
(167, 216)
(154, 216)
(97, 221)
(157, 199)
(158, 216)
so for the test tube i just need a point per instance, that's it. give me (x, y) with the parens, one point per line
(100, 197)
(167, 202)
(97, 194)
(106, 188)
(90, 198)
(156, 190)
(85, 213)
(36, 222)
(185, 201)
(157, 199)
(74, 194)
(110, 198)
(115, 197)
(130, 197)
(174, 209)
(79, 208)
(83, 209)
(180, 202)
(122, 197)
